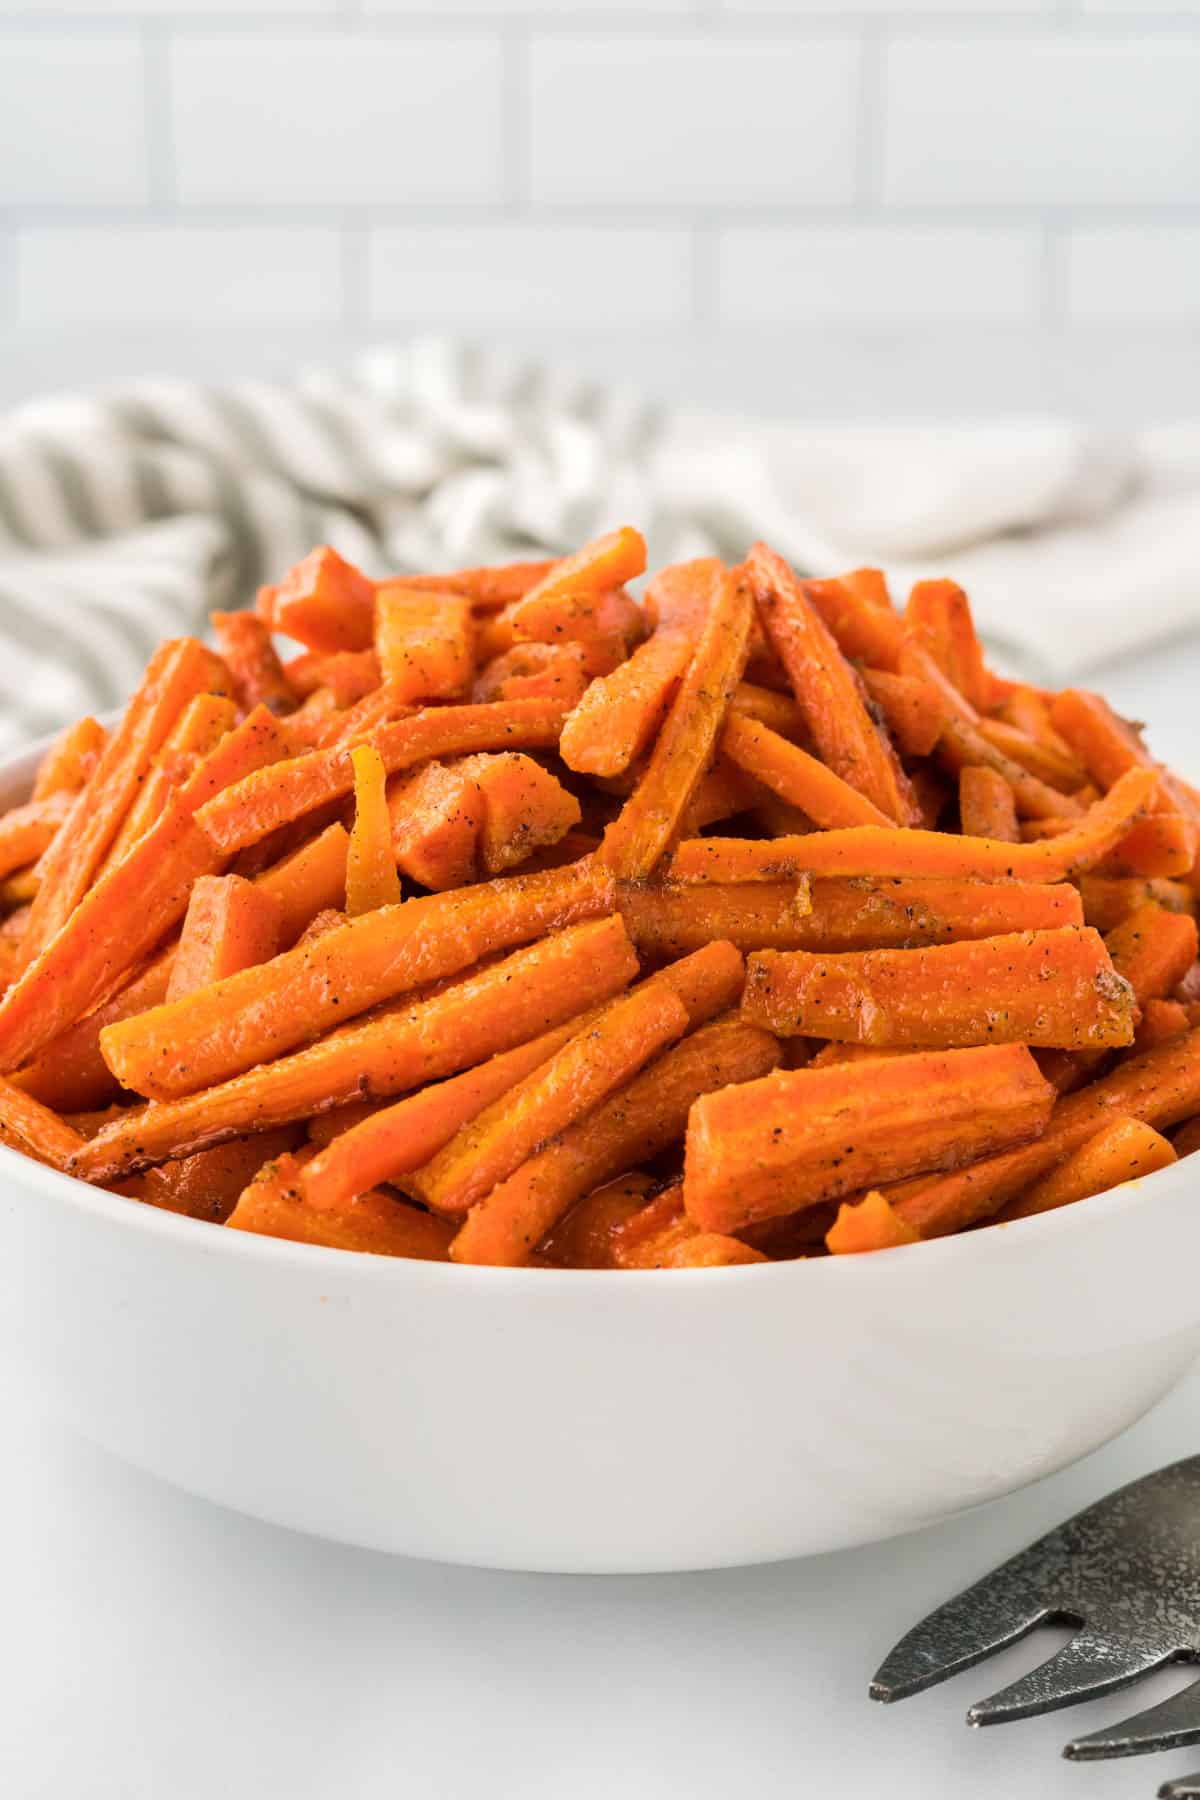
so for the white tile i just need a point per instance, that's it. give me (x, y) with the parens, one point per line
(72, 109)
(500, 275)
(184, 275)
(646, 121)
(1121, 274)
(1034, 121)
(361, 119)
(885, 275)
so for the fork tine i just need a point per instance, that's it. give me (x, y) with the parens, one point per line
(1184, 1787)
(1167, 1726)
(1090, 1665)
(996, 1611)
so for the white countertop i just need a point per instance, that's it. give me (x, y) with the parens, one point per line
(155, 1647)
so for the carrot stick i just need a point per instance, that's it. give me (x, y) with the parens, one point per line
(607, 562)
(678, 597)
(858, 611)
(605, 1055)
(913, 710)
(207, 1185)
(1161, 1021)
(1108, 746)
(309, 881)
(870, 1224)
(649, 1235)
(1121, 1151)
(1106, 901)
(1161, 846)
(251, 1017)
(26, 831)
(176, 672)
(1187, 1138)
(637, 838)
(1025, 708)
(436, 817)
(797, 777)
(273, 1205)
(254, 808)
(722, 793)
(371, 877)
(586, 1237)
(69, 762)
(620, 714)
(1153, 949)
(1055, 989)
(803, 1136)
(230, 924)
(1161, 1088)
(939, 614)
(425, 642)
(524, 808)
(667, 921)
(830, 695)
(254, 668)
(985, 805)
(500, 1005)
(491, 587)
(779, 711)
(709, 1250)
(323, 602)
(25, 1124)
(198, 730)
(636, 1123)
(1059, 768)
(349, 675)
(869, 850)
(558, 672)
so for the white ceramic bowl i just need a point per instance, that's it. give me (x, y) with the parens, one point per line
(586, 1422)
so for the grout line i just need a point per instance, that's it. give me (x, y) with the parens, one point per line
(159, 130)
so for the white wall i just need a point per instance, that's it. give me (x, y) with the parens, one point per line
(877, 208)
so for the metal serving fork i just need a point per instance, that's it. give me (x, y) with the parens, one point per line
(1126, 1572)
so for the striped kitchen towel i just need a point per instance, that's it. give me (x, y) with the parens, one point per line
(127, 516)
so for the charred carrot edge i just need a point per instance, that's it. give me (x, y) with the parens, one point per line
(844, 734)
(324, 602)
(497, 1007)
(68, 763)
(871, 1223)
(25, 1124)
(1050, 989)
(273, 1205)
(254, 668)
(986, 806)
(620, 713)
(229, 924)
(635, 1124)
(638, 837)
(803, 1136)
(913, 710)
(870, 851)
(425, 642)
(1120, 1151)
(1153, 949)
(797, 777)
(371, 876)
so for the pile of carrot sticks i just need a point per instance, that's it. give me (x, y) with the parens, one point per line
(503, 918)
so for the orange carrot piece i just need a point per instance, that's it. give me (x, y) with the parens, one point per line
(1108, 746)
(667, 922)
(1159, 847)
(436, 815)
(26, 831)
(255, 670)
(797, 777)
(230, 924)
(198, 730)
(349, 675)
(678, 597)
(636, 1123)
(491, 587)
(258, 1014)
(177, 671)
(558, 672)
(868, 1224)
(620, 714)
(913, 710)
(498, 1006)
(25, 1124)
(309, 723)
(524, 808)
(1121, 1151)
(585, 1238)
(779, 711)
(309, 881)
(207, 1186)
(709, 1250)
(648, 1236)
(939, 614)
(985, 805)
(1059, 768)
(1187, 1138)
(273, 1205)
(359, 723)
(17, 891)
(830, 695)
(605, 563)
(869, 850)
(807, 1135)
(371, 877)
(858, 611)
(1054, 989)
(725, 791)
(1153, 949)
(602, 1057)
(1161, 1021)
(637, 838)
(1106, 901)
(1025, 708)
(424, 641)
(1161, 1088)
(323, 602)
(69, 762)
(253, 808)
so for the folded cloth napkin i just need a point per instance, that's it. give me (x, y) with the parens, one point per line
(127, 516)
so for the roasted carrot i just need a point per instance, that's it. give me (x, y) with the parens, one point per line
(1153, 949)
(586, 1237)
(349, 675)
(1058, 768)
(1025, 708)
(309, 881)
(1106, 901)
(524, 808)
(207, 1185)
(779, 711)
(986, 807)
(654, 1231)
(1187, 1138)
(858, 611)
(808, 1135)
(500, 1005)
(797, 777)
(68, 763)
(490, 587)
(1159, 847)
(1120, 1151)
(1107, 745)
(436, 816)
(642, 831)
(254, 669)
(177, 671)
(25, 1124)
(424, 641)
(558, 672)
(606, 563)
(1161, 1088)
(1161, 1021)
(70, 1074)
(254, 808)
(251, 1017)
(230, 924)
(201, 725)
(323, 602)
(620, 714)
(636, 1123)
(371, 876)
(26, 831)
(868, 1224)
(678, 598)
(913, 710)
(869, 850)
(939, 614)
(709, 1250)
(721, 794)
(831, 698)
(273, 1205)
